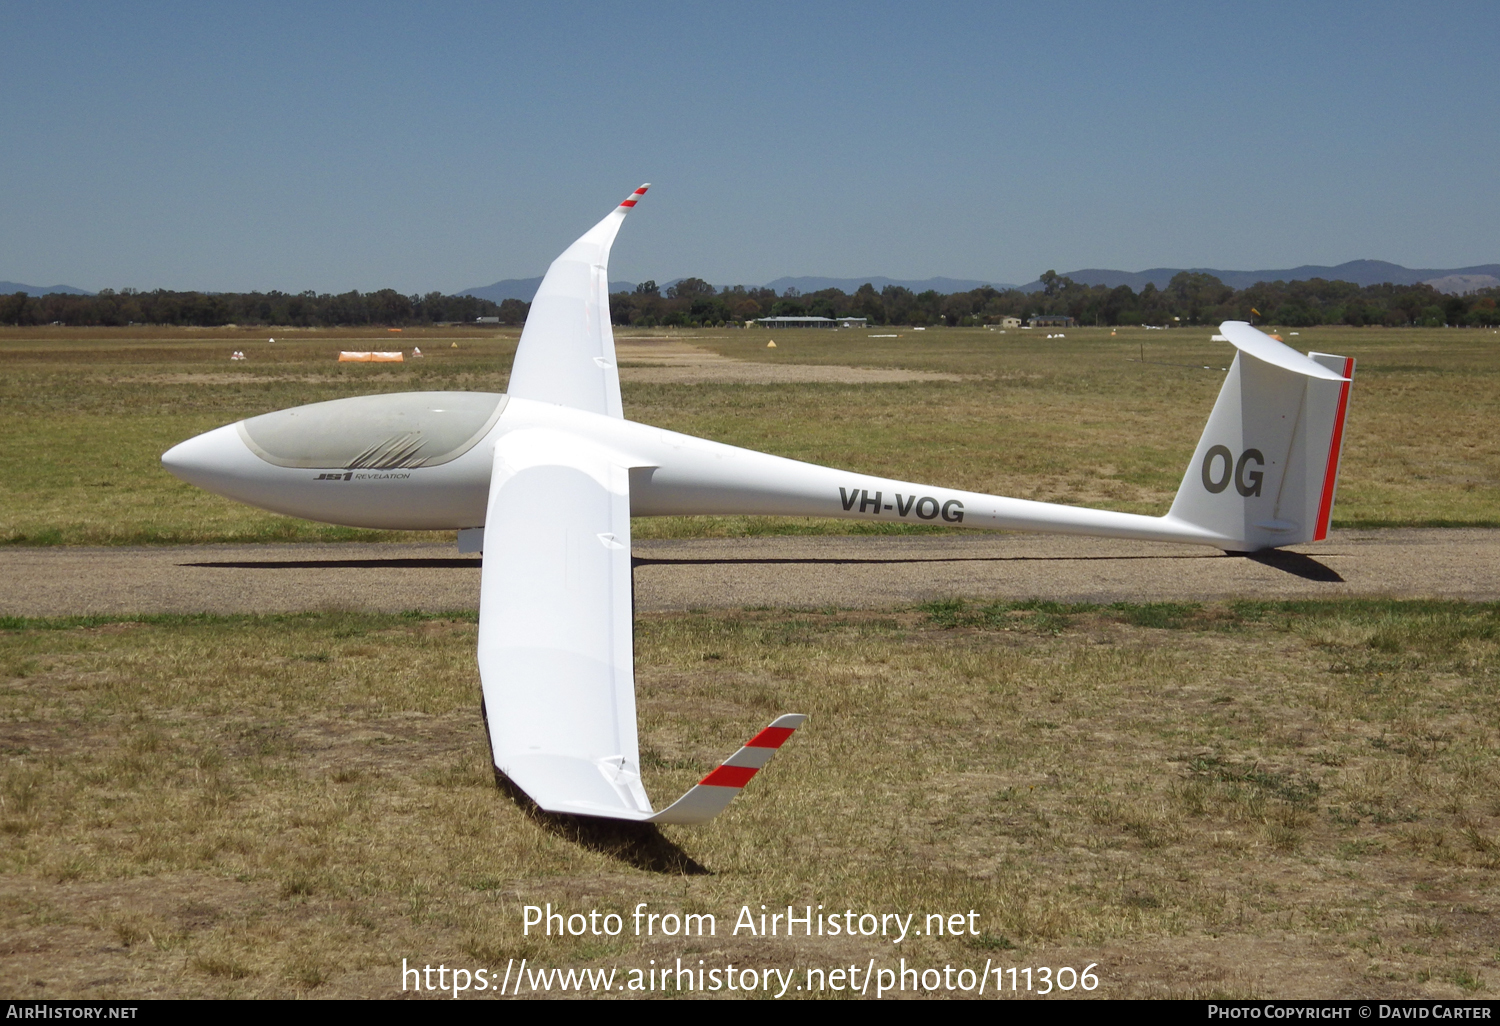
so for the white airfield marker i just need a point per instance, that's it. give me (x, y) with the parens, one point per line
(550, 473)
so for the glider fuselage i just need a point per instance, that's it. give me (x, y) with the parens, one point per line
(399, 464)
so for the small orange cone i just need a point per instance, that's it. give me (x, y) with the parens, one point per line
(771, 344)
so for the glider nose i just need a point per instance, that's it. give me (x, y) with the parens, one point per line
(206, 459)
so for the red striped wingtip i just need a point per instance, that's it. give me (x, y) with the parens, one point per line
(774, 736)
(712, 795)
(771, 737)
(635, 197)
(730, 776)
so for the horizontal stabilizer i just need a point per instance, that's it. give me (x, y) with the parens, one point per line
(1256, 343)
(711, 795)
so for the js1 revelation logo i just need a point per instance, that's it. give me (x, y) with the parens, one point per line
(1246, 481)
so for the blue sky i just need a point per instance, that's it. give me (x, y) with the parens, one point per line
(447, 145)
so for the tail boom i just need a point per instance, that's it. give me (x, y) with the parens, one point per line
(678, 475)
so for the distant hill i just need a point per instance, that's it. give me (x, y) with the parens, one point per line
(10, 288)
(942, 285)
(1457, 280)
(812, 283)
(1463, 284)
(524, 289)
(1360, 272)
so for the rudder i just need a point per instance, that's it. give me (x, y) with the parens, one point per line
(1328, 401)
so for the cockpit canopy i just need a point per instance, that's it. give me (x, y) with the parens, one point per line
(374, 432)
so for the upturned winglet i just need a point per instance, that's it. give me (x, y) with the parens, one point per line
(712, 795)
(566, 355)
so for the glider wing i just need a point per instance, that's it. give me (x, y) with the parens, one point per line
(555, 644)
(556, 656)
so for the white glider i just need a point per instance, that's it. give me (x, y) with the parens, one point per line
(545, 478)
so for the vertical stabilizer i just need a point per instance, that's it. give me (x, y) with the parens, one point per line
(1266, 468)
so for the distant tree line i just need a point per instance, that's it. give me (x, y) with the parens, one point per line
(211, 309)
(1190, 298)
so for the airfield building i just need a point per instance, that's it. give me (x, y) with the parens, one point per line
(797, 322)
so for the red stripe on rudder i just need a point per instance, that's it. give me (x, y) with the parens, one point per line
(771, 737)
(1330, 476)
(729, 776)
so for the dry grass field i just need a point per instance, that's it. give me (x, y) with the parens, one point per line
(1239, 799)
(85, 416)
(1227, 800)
